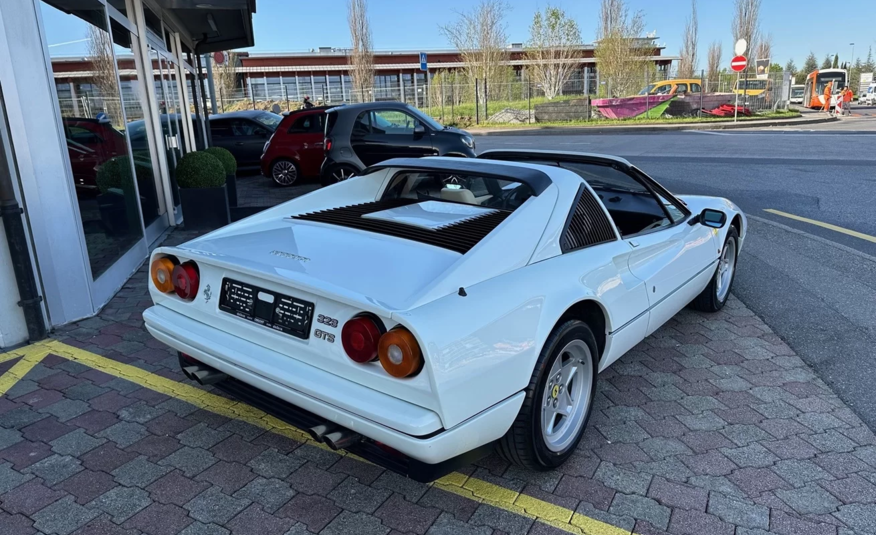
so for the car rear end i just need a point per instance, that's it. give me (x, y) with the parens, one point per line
(313, 334)
(274, 146)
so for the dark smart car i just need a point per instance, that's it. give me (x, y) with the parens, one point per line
(360, 135)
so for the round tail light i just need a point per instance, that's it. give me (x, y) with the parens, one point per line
(359, 337)
(399, 353)
(162, 274)
(186, 280)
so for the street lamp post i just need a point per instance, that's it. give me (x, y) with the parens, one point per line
(852, 59)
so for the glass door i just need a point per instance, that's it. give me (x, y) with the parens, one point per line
(170, 117)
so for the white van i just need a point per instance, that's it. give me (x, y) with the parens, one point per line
(868, 98)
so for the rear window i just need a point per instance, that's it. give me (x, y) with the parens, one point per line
(309, 123)
(330, 120)
(474, 190)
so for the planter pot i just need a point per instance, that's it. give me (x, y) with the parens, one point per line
(231, 186)
(205, 208)
(113, 214)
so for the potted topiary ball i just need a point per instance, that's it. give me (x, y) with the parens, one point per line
(117, 200)
(204, 199)
(230, 164)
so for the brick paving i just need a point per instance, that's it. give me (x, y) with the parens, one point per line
(711, 426)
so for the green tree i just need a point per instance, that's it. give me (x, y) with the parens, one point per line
(776, 67)
(811, 64)
(553, 42)
(869, 64)
(827, 62)
(791, 67)
(836, 61)
(855, 76)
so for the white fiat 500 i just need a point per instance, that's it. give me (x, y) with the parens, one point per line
(433, 309)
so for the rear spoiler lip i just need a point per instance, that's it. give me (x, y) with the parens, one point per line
(303, 282)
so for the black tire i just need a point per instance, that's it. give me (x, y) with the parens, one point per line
(333, 174)
(285, 172)
(709, 300)
(524, 443)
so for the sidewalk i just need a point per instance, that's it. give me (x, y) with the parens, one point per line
(806, 119)
(712, 426)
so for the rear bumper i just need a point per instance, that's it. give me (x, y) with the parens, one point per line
(321, 393)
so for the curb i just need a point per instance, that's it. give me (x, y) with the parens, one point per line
(579, 130)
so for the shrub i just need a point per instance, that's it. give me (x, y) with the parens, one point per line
(116, 173)
(224, 156)
(200, 170)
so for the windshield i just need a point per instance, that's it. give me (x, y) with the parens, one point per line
(796, 91)
(473, 190)
(432, 123)
(838, 79)
(271, 120)
(753, 85)
(647, 89)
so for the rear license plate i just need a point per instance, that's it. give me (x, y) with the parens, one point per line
(277, 311)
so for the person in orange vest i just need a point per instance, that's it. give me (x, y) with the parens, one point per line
(828, 89)
(847, 101)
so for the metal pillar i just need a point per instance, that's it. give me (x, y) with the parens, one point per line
(210, 84)
(19, 253)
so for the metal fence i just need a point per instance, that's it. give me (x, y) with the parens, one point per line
(585, 96)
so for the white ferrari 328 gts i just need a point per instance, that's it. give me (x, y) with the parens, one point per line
(434, 309)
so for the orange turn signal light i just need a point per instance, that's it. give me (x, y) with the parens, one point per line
(399, 353)
(161, 270)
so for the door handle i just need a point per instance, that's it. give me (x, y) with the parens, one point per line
(238, 142)
(318, 145)
(634, 244)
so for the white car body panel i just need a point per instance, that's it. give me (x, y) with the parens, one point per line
(479, 346)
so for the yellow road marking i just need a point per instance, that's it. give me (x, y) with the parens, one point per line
(18, 371)
(834, 228)
(460, 484)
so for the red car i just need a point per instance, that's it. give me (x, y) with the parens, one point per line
(90, 143)
(295, 149)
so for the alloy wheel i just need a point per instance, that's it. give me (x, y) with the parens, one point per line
(284, 173)
(342, 173)
(726, 267)
(566, 396)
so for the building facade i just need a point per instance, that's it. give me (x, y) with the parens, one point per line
(89, 150)
(324, 74)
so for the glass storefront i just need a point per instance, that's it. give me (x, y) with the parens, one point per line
(125, 133)
(93, 109)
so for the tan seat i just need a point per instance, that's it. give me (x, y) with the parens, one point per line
(458, 195)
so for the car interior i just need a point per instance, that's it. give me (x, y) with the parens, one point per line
(633, 207)
(487, 192)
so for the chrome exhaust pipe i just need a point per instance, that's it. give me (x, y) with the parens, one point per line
(204, 376)
(341, 439)
(188, 371)
(318, 432)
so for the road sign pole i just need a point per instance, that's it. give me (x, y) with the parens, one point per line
(736, 107)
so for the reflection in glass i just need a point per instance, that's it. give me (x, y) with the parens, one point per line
(91, 106)
(136, 126)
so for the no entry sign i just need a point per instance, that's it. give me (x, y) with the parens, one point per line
(738, 63)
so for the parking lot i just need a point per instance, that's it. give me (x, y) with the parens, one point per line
(755, 419)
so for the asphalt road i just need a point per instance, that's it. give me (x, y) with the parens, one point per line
(814, 286)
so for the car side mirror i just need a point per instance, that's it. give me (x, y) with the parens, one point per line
(710, 218)
(419, 130)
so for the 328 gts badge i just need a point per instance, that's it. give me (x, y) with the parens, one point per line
(325, 320)
(328, 337)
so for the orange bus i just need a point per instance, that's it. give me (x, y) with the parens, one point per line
(813, 93)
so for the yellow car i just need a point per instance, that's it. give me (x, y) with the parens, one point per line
(673, 87)
(752, 87)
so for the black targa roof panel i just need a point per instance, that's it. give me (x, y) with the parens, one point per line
(537, 180)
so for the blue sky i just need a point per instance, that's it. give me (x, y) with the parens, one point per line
(797, 26)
